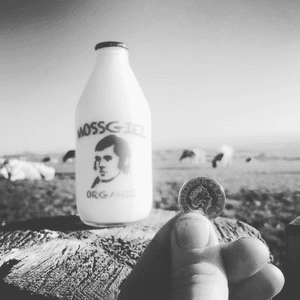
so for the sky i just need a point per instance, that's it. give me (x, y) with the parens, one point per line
(210, 70)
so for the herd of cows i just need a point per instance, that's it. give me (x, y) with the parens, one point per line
(20, 169)
(16, 169)
(196, 156)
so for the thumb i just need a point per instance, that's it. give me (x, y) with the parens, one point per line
(197, 266)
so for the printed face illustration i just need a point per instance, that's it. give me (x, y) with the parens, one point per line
(107, 163)
(112, 156)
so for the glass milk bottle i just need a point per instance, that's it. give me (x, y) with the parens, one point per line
(113, 143)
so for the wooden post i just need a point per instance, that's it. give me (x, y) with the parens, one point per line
(292, 264)
(62, 258)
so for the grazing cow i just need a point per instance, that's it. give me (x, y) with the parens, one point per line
(193, 157)
(46, 172)
(15, 169)
(69, 156)
(224, 157)
(52, 160)
(248, 159)
(217, 158)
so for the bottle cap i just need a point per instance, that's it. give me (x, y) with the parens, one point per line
(203, 195)
(110, 44)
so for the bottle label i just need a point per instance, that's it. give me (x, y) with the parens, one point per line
(114, 161)
(100, 127)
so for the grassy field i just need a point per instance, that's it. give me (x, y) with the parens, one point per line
(264, 193)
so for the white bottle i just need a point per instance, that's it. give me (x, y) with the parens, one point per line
(113, 143)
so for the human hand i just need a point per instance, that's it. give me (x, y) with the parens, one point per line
(185, 261)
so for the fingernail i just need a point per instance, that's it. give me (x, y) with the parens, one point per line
(192, 231)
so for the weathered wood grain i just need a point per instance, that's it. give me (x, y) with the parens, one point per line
(61, 258)
(292, 264)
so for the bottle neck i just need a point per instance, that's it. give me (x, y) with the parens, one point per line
(112, 55)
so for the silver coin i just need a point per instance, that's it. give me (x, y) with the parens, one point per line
(203, 195)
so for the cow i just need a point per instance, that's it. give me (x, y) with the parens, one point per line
(15, 169)
(224, 157)
(69, 156)
(193, 157)
(47, 172)
(217, 158)
(52, 160)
